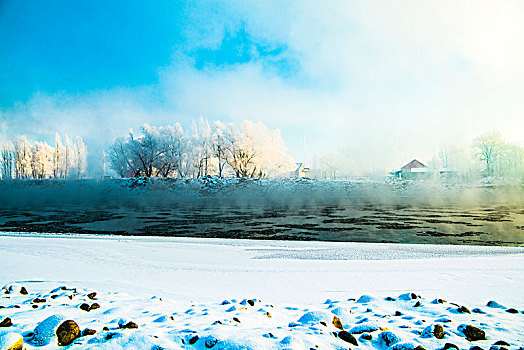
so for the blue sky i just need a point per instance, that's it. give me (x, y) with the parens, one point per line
(81, 46)
(364, 76)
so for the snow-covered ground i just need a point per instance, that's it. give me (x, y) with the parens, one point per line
(173, 289)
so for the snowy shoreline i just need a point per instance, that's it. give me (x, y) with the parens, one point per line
(193, 276)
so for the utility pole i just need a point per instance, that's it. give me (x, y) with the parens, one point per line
(304, 163)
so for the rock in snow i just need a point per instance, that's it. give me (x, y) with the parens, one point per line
(67, 332)
(347, 337)
(472, 333)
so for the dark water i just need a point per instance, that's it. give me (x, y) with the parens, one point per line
(478, 225)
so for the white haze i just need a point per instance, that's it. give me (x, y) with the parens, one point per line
(390, 81)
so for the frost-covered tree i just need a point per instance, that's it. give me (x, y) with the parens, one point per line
(219, 146)
(144, 151)
(249, 149)
(6, 161)
(118, 157)
(510, 162)
(173, 145)
(242, 155)
(80, 157)
(68, 157)
(489, 147)
(200, 146)
(158, 151)
(42, 160)
(256, 151)
(58, 158)
(333, 164)
(24, 160)
(454, 158)
(23, 155)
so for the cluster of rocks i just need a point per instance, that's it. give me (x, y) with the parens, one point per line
(55, 329)
(344, 324)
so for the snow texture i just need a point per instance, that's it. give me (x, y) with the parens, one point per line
(209, 293)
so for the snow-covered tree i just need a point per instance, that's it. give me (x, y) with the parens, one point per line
(256, 151)
(58, 157)
(6, 161)
(219, 146)
(42, 160)
(249, 149)
(173, 144)
(489, 147)
(68, 157)
(23, 155)
(80, 157)
(118, 157)
(200, 148)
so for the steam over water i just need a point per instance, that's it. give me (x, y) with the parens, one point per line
(403, 212)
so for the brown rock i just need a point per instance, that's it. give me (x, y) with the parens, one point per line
(347, 337)
(92, 295)
(23, 291)
(473, 333)
(438, 331)
(6, 322)
(337, 323)
(84, 307)
(94, 306)
(67, 332)
(129, 325)
(88, 331)
(110, 335)
(463, 310)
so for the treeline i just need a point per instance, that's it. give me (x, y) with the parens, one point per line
(21, 159)
(245, 150)
(489, 155)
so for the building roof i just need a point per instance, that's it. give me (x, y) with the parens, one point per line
(414, 164)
